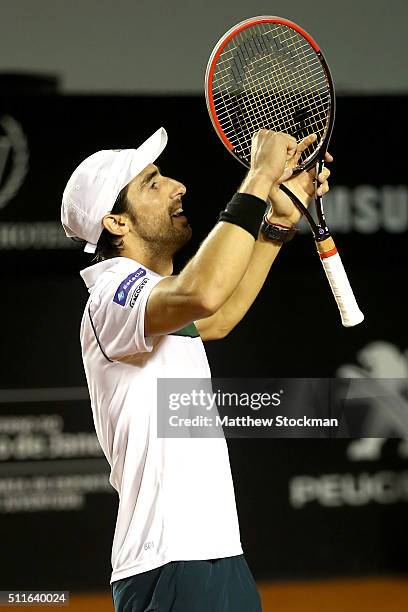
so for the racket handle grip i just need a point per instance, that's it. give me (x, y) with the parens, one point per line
(336, 275)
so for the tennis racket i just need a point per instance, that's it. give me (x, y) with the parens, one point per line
(268, 73)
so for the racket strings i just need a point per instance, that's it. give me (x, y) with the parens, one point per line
(285, 98)
(287, 104)
(268, 76)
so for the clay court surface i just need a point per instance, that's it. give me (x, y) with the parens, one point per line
(373, 595)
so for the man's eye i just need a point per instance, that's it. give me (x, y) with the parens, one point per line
(154, 185)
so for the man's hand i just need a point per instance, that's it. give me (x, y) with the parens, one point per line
(271, 154)
(283, 211)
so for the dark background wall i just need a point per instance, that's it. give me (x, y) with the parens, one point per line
(308, 508)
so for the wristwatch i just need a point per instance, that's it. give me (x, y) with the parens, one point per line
(277, 232)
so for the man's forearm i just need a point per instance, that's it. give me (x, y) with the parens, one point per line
(224, 256)
(235, 308)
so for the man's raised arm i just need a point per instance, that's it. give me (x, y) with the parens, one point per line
(213, 274)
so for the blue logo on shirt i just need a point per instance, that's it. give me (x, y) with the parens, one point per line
(125, 286)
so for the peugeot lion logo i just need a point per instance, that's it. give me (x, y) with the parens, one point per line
(385, 362)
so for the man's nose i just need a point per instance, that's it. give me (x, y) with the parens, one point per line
(177, 189)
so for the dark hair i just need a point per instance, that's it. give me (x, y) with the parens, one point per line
(109, 245)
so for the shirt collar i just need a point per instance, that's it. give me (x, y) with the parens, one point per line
(92, 273)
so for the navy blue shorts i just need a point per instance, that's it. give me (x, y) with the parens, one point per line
(217, 585)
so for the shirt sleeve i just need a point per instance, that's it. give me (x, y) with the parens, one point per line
(118, 312)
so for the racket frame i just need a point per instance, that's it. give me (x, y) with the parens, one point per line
(319, 154)
(334, 269)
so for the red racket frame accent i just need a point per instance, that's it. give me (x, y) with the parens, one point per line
(224, 41)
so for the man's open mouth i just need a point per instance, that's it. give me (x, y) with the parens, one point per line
(178, 213)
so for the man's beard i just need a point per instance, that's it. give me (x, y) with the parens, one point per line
(165, 240)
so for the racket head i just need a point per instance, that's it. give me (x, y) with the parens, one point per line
(268, 72)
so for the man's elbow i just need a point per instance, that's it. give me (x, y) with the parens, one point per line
(221, 332)
(218, 329)
(205, 304)
(214, 333)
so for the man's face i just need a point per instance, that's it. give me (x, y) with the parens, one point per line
(156, 203)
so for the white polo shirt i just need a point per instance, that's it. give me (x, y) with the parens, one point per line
(176, 496)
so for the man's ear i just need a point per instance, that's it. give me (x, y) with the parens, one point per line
(116, 224)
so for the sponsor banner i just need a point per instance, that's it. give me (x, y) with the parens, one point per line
(365, 209)
(14, 158)
(321, 508)
(54, 480)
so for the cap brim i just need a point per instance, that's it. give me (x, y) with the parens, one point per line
(148, 151)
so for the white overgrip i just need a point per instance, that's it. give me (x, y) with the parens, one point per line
(336, 275)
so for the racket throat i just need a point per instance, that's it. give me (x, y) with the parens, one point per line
(321, 231)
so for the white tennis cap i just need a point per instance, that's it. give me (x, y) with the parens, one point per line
(96, 183)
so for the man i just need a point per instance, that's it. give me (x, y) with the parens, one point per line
(176, 543)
